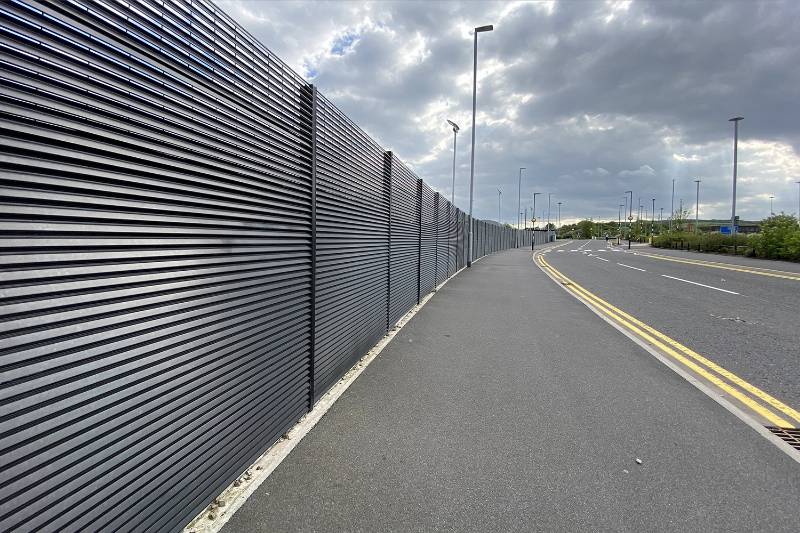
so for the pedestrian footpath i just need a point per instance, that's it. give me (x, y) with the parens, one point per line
(507, 405)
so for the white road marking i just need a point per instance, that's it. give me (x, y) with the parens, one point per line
(700, 284)
(635, 268)
(559, 250)
(601, 259)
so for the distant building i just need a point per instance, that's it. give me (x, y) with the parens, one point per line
(715, 226)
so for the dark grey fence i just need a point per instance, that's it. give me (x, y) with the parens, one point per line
(196, 246)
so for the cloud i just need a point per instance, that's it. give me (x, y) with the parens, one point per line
(593, 98)
(641, 172)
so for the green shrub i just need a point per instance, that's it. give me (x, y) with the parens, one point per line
(779, 239)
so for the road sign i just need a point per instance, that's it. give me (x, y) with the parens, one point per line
(726, 230)
(630, 217)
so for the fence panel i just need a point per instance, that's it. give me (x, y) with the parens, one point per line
(442, 242)
(404, 240)
(428, 245)
(452, 236)
(352, 245)
(157, 271)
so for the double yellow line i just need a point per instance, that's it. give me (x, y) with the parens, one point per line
(726, 266)
(723, 379)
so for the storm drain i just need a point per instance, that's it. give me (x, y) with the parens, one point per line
(789, 435)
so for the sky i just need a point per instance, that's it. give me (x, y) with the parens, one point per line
(592, 98)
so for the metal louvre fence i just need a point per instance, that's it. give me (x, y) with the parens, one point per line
(196, 246)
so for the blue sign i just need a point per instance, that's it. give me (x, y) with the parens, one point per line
(726, 230)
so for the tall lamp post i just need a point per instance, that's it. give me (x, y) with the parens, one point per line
(548, 216)
(735, 121)
(559, 215)
(630, 216)
(519, 202)
(653, 217)
(533, 220)
(499, 194)
(697, 209)
(478, 30)
(455, 135)
(771, 212)
(672, 206)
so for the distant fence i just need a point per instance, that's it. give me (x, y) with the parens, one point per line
(196, 246)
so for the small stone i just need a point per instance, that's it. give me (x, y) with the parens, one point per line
(638, 461)
(259, 467)
(211, 516)
(625, 471)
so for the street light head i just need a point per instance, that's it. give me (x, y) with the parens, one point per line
(735, 119)
(481, 29)
(455, 126)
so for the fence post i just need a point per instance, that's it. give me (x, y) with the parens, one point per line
(313, 298)
(436, 240)
(387, 181)
(419, 239)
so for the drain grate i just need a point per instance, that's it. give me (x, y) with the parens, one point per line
(788, 435)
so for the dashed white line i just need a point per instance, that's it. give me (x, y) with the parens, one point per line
(700, 284)
(635, 268)
(601, 259)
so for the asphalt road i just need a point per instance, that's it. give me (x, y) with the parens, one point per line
(754, 333)
(507, 405)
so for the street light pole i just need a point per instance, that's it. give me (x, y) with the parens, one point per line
(472, 151)
(559, 215)
(672, 213)
(455, 135)
(661, 221)
(548, 216)
(630, 216)
(771, 212)
(519, 202)
(697, 209)
(499, 194)
(533, 220)
(735, 121)
(653, 217)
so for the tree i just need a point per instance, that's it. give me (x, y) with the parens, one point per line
(679, 220)
(585, 229)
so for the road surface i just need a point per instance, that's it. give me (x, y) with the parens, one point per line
(742, 313)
